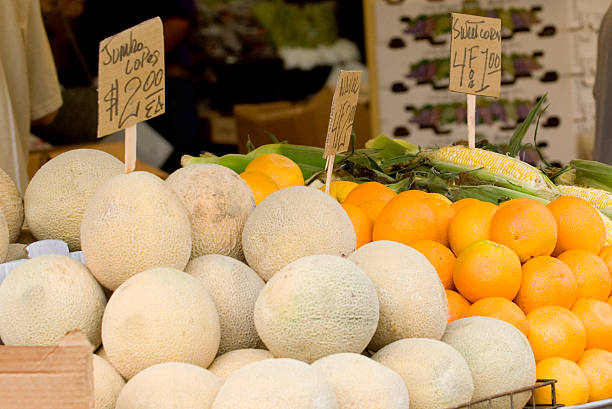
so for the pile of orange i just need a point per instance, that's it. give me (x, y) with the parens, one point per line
(270, 172)
(542, 268)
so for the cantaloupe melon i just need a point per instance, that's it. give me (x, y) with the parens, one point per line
(160, 315)
(362, 383)
(56, 197)
(499, 357)
(317, 306)
(292, 223)
(234, 288)
(45, 297)
(436, 375)
(102, 353)
(225, 365)
(219, 203)
(276, 383)
(132, 223)
(171, 385)
(16, 251)
(4, 239)
(11, 205)
(412, 299)
(107, 384)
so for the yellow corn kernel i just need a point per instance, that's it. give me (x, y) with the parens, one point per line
(597, 197)
(490, 161)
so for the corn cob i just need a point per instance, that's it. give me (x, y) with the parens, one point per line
(493, 168)
(597, 197)
(594, 174)
(308, 158)
(608, 227)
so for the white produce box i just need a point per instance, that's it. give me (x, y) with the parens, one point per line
(37, 249)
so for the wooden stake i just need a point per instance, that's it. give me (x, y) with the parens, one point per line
(130, 148)
(471, 120)
(329, 166)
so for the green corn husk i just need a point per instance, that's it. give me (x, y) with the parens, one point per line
(389, 149)
(489, 193)
(309, 159)
(590, 173)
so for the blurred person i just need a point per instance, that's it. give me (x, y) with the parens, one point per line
(29, 88)
(104, 18)
(602, 91)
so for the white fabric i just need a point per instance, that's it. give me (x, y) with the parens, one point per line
(29, 88)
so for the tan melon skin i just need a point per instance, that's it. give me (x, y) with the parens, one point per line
(413, 303)
(107, 384)
(234, 288)
(293, 223)
(499, 357)
(56, 197)
(225, 365)
(172, 385)
(4, 239)
(362, 383)
(15, 251)
(317, 306)
(219, 203)
(45, 297)
(275, 384)
(11, 204)
(160, 315)
(132, 223)
(436, 375)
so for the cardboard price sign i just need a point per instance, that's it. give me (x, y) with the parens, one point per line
(475, 65)
(344, 105)
(131, 74)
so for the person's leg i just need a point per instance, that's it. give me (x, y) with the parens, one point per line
(179, 124)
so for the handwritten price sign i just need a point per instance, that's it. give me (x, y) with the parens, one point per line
(475, 55)
(342, 113)
(131, 77)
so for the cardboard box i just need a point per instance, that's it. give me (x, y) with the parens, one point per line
(53, 377)
(117, 149)
(303, 123)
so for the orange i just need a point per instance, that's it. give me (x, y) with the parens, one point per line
(556, 331)
(440, 257)
(339, 189)
(610, 300)
(546, 281)
(579, 225)
(372, 208)
(597, 319)
(597, 367)
(414, 194)
(460, 204)
(526, 226)
(443, 213)
(405, 221)
(440, 197)
(572, 387)
(486, 269)
(361, 223)
(281, 169)
(502, 309)
(370, 191)
(457, 305)
(470, 224)
(590, 271)
(606, 256)
(261, 185)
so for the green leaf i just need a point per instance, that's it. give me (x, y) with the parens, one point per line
(517, 138)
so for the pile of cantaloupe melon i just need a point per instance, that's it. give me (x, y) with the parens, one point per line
(217, 303)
